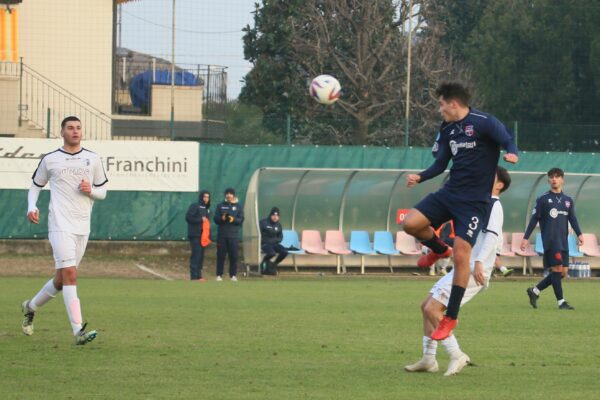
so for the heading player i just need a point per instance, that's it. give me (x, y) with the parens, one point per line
(76, 178)
(472, 140)
(488, 244)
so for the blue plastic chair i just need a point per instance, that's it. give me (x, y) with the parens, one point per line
(361, 244)
(383, 243)
(573, 249)
(539, 244)
(290, 239)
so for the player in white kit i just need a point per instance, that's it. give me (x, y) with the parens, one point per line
(483, 257)
(76, 178)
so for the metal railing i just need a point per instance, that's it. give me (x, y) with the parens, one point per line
(212, 77)
(43, 104)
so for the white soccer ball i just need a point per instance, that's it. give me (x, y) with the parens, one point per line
(325, 89)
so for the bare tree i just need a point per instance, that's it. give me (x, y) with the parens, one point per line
(361, 41)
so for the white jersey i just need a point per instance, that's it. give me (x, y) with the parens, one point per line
(70, 209)
(489, 240)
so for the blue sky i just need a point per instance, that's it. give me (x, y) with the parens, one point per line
(207, 32)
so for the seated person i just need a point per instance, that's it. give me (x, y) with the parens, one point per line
(271, 234)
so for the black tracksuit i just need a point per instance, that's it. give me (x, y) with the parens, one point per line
(271, 235)
(229, 218)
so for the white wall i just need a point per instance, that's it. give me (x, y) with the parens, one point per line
(70, 42)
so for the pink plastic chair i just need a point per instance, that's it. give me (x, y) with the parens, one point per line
(515, 247)
(335, 243)
(590, 245)
(407, 244)
(506, 247)
(312, 243)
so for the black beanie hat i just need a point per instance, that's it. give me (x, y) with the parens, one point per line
(230, 190)
(274, 211)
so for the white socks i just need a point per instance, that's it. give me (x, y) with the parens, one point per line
(47, 293)
(503, 269)
(429, 347)
(536, 290)
(73, 307)
(451, 346)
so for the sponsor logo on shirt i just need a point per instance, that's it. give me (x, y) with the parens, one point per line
(555, 213)
(454, 146)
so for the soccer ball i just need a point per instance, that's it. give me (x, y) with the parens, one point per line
(325, 89)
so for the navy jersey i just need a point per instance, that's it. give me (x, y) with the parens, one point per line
(473, 144)
(554, 211)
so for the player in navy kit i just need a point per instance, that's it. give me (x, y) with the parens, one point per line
(554, 210)
(472, 140)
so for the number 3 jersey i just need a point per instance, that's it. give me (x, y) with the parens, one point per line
(70, 209)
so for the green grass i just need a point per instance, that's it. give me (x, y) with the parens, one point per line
(294, 339)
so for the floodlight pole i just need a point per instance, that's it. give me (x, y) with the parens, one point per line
(173, 74)
(407, 113)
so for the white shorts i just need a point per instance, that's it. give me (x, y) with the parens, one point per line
(442, 288)
(67, 248)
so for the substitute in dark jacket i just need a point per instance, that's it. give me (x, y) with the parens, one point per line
(196, 214)
(229, 216)
(271, 235)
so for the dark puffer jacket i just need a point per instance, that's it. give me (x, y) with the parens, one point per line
(195, 213)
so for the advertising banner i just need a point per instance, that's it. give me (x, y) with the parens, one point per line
(129, 165)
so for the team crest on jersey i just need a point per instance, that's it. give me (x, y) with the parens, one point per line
(549, 200)
(469, 131)
(87, 162)
(568, 204)
(233, 208)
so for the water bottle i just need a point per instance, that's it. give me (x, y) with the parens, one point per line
(588, 270)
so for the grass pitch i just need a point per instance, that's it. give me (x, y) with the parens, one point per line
(322, 338)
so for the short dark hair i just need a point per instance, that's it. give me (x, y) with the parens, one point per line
(68, 119)
(504, 177)
(454, 91)
(556, 172)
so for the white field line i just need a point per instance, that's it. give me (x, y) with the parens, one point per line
(148, 270)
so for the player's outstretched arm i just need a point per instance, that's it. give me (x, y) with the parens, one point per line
(412, 180)
(511, 158)
(33, 214)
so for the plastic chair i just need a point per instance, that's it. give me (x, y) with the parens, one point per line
(312, 243)
(573, 248)
(407, 244)
(335, 243)
(539, 244)
(361, 244)
(383, 243)
(515, 246)
(506, 251)
(290, 239)
(590, 245)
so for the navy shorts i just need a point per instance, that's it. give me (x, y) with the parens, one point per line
(556, 258)
(468, 217)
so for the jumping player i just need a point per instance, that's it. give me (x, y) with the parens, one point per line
(76, 178)
(554, 210)
(483, 257)
(472, 140)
